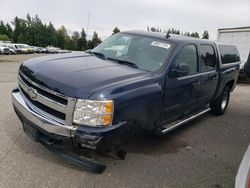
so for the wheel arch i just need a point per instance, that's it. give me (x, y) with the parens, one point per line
(230, 84)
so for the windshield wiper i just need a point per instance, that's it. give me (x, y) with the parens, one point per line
(131, 64)
(98, 54)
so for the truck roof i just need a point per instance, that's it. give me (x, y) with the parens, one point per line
(173, 37)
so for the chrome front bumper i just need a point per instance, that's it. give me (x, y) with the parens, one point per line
(47, 124)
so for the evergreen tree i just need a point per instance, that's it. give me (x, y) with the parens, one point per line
(3, 29)
(9, 31)
(116, 30)
(62, 37)
(82, 42)
(95, 41)
(74, 41)
(152, 29)
(51, 34)
(195, 34)
(20, 29)
(205, 35)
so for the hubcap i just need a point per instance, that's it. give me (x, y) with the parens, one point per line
(224, 101)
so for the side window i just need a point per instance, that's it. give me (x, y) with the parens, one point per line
(188, 57)
(208, 58)
(229, 54)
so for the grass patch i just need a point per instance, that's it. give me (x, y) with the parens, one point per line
(6, 61)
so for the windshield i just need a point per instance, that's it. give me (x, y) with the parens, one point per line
(9, 46)
(23, 46)
(145, 53)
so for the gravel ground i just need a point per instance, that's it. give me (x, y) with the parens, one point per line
(204, 153)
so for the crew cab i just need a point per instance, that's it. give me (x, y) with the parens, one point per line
(132, 81)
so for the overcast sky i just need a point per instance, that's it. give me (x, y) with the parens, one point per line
(186, 15)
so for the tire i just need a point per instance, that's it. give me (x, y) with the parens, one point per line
(219, 106)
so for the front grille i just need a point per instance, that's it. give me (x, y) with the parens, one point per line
(45, 101)
(46, 109)
(44, 93)
(6, 50)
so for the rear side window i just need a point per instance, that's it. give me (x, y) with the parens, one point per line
(229, 54)
(208, 58)
(188, 55)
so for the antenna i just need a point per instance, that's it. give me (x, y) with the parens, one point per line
(167, 35)
(87, 29)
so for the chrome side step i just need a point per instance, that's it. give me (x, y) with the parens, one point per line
(171, 126)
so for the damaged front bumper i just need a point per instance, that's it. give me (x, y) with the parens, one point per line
(51, 132)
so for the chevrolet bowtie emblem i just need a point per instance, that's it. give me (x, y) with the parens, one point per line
(32, 93)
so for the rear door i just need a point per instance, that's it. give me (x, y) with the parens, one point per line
(181, 91)
(209, 74)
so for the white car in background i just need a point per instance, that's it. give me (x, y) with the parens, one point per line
(52, 49)
(11, 47)
(23, 48)
(243, 175)
(4, 50)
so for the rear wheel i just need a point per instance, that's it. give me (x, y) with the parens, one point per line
(219, 106)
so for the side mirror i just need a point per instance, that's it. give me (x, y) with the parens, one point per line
(180, 70)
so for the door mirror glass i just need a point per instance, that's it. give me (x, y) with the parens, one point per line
(180, 70)
(186, 62)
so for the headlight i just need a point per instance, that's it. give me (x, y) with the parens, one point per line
(93, 113)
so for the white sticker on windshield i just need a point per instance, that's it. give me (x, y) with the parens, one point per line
(160, 44)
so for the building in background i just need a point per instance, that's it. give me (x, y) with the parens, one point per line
(239, 36)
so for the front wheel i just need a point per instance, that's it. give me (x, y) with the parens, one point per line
(219, 106)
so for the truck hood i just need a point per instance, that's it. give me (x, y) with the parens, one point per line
(78, 74)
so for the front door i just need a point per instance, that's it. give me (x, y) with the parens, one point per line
(182, 84)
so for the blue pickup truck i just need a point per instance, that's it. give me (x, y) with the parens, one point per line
(132, 81)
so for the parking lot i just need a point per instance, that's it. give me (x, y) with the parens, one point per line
(204, 153)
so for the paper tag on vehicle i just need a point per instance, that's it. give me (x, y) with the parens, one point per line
(160, 44)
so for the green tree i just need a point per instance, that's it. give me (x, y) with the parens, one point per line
(153, 29)
(51, 35)
(21, 38)
(37, 32)
(62, 37)
(187, 34)
(20, 29)
(9, 31)
(3, 29)
(115, 30)
(82, 42)
(205, 35)
(174, 31)
(73, 43)
(195, 34)
(95, 41)
(28, 18)
(4, 37)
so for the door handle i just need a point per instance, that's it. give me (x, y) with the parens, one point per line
(196, 84)
(215, 77)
